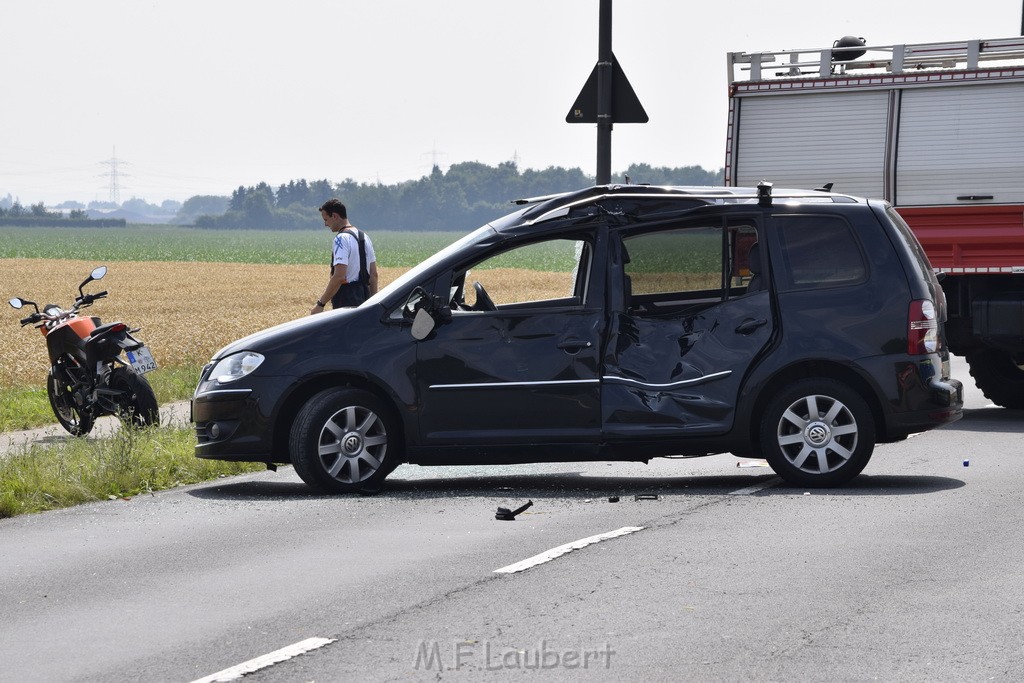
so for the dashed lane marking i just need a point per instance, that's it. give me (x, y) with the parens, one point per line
(276, 657)
(549, 555)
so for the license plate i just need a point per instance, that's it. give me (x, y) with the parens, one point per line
(141, 360)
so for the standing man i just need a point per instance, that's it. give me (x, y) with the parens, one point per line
(353, 263)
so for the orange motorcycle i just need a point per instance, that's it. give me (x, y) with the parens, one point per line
(88, 376)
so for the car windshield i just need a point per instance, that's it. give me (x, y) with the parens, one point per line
(415, 274)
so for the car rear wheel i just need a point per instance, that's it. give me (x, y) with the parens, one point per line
(817, 433)
(344, 440)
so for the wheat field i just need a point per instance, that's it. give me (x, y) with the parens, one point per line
(188, 310)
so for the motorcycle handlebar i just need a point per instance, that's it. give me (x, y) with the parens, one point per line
(31, 319)
(89, 298)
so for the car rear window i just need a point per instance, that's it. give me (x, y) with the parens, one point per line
(913, 246)
(819, 251)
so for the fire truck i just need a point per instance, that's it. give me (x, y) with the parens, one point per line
(935, 129)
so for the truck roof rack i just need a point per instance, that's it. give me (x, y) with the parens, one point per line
(884, 59)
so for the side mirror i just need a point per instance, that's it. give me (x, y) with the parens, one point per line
(16, 302)
(97, 273)
(422, 325)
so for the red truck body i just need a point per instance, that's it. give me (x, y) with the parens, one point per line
(935, 129)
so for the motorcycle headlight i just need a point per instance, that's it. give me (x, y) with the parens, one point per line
(235, 367)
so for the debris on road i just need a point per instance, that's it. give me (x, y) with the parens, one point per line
(506, 515)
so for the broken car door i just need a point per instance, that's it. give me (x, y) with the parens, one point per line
(695, 313)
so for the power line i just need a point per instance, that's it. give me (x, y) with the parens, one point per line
(115, 176)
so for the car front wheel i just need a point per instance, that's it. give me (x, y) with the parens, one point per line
(344, 440)
(818, 433)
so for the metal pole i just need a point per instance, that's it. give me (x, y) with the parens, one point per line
(604, 94)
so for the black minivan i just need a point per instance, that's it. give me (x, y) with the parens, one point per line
(802, 327)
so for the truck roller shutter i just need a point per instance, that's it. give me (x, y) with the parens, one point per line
(797, 141)
(961, 141)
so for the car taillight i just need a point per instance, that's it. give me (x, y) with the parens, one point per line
(923, 328)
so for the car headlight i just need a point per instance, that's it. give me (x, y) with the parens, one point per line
(235, 367)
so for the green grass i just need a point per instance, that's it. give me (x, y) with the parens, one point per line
(28, 407)
(133, 462)
(395, 249)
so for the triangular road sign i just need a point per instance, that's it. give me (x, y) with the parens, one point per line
(626, 107)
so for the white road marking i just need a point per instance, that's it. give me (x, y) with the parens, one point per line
(567, 548)
(756, 487)
(285, 653)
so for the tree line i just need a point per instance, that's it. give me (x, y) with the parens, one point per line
(36, 211)
(37, 215)
(464, 197)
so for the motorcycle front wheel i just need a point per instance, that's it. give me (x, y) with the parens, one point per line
(136, 402)
(60, 388)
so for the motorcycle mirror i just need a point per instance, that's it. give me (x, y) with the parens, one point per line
(16, 302)
(96, 274)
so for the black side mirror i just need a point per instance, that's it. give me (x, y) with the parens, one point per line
(430, 311)
(97, 274)
(422, 325)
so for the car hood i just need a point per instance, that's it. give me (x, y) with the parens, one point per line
(287, 333)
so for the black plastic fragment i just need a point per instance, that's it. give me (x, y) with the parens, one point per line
(506, 515)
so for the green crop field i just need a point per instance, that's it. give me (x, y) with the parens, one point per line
(171, 243)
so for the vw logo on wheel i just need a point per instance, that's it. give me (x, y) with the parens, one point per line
(817, 433)
(352, 444)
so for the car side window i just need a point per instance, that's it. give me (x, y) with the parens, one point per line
(818, 252)
(687, 268)
(549, 273)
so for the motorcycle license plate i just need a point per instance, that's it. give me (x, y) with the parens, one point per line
(141, 360)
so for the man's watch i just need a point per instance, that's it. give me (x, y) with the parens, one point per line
(320, 303)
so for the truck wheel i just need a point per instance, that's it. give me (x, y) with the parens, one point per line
(136, 403)
(344, 440)
(998, 376)
(817, 433)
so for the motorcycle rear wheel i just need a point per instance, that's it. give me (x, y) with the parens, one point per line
(60, 390)
(136, 404)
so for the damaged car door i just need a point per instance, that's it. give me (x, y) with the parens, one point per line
(693, 315)
(516, 364)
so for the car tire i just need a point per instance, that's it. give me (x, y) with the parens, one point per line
(344, 440)
(817, 433)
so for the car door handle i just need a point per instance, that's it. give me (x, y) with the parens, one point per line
(749, 325)
(574, 345)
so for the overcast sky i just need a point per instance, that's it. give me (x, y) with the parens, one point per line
(201, 96)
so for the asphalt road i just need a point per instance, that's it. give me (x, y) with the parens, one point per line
(720, 573)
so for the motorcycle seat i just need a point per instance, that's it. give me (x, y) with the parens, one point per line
(102, 329)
